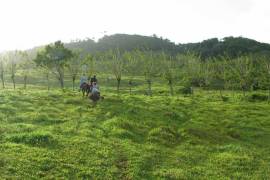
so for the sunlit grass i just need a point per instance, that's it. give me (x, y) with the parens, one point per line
(59, 134)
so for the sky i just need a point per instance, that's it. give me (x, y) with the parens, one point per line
(28, 23)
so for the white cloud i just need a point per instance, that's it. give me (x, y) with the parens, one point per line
(29, 23)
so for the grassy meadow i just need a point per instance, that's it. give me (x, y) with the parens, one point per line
(59, 135)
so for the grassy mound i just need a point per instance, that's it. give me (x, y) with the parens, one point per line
(163, 135)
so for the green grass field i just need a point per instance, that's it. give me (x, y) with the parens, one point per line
(59, 135)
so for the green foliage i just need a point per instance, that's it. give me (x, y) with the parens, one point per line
(190, 69)
(186, 90)
(54, 58)
(232, 47)
(258, 97)
(90, 65)
(74, 66)
(124, 42)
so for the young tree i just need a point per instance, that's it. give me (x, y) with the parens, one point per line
(265, 74)
(44, 65)
(2, 71)
(55, 58)
(13, 58)
(131, 66)
(150, 67)
(191, 69)
(74, 66)
(90, 63)
(116, 64)
(206, 73)
(242, 69)
(220, 74)
(169, 70)
(26, 64)
(13, 69)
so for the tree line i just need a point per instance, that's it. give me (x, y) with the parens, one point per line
(210, 48)
(245, 73)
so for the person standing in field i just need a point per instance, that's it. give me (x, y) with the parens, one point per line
(93, 80)
(95, 94)
(83, 80)
(95, 88)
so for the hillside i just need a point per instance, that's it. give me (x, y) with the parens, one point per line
(59, 135)
(229, 46)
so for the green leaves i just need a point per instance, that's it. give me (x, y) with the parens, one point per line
(53, 55)
(55, 58)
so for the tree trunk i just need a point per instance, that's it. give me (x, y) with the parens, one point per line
(13, 81)
(73, 82)
(171, 88)
(269, 95)
(3, 82)
(192, 90)
(149, 87)
(220, 94)
(118, 85)
(61, 80)
(48, 82)
(25, 81)
(244, 91)
(130, 85)
(244, 88)
(60, 76)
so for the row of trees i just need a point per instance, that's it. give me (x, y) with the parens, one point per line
(242, 73)
(13, 63)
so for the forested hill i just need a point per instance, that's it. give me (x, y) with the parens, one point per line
(229, 46)
(125, 42)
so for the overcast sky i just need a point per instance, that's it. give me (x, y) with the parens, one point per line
(28, 23)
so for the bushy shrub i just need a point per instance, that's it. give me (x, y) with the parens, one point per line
(258, 97)
(34, 139)
(234, 134)
(186, 90)
(161, 91)
(225, 98)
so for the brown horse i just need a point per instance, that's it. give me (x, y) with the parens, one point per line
(86, 89)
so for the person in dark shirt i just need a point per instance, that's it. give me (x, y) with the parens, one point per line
(93, 80)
